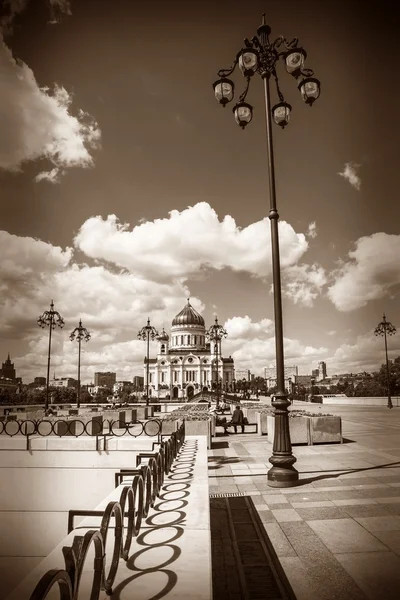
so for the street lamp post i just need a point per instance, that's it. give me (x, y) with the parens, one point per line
(50, 318)
(79, 333)
(385, 328)
(215, 334)
(260, 55)
(146, 333)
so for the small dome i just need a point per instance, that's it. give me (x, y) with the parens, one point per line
(163, 337)
(188, 316)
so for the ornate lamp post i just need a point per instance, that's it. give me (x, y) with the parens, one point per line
(261, 56)
(385, 328)
(147, 332)
(50, 318)
(79, 333)
(215, 334)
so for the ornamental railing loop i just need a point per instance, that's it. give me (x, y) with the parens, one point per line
(133, 505)
(77, 427)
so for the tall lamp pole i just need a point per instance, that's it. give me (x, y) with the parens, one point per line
(215, 334)
(50, 318)
(79, 333)
(260, 55)
(147, 332)
(385, 328)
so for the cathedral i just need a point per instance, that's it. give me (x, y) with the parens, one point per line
(186, 362)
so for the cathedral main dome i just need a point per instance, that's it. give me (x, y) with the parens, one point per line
(188, 316)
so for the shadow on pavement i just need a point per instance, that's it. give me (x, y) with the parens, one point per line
(338, 473)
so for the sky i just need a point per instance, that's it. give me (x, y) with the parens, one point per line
(125, 188)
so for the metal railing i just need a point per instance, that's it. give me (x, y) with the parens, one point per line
(134, 504)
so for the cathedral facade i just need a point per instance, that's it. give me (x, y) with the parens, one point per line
(186, 362)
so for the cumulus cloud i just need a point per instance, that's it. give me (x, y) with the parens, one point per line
(241, 328)
(303, 283)
(350, 174)
(370, 272)
(38, 124)
(187, 242)
(258, 353)
(366, 353)
(112, 305)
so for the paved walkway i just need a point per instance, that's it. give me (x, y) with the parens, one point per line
(337, 534)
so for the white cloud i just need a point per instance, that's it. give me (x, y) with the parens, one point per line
(52, 176)
(350, 174)
(241, 328)
(312, 230)
(366, 353)
(259, 353)
(303, 283)
(187, 242)
(113, 306)
(331, 332)
(38, 124)
(371, 272)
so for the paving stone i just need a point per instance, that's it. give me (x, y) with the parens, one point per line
(326, 573)
(391, 539)
(326, 512)
(388, 500)
(350, 502)
(345, 535)
(317, 504)
(307, 496)
(374, 510)
(300, 579)
(271, 499)
(281, 544)
(344, 495)
(380, 492)
(266, 516)
(296, 529)
(286, 514)
(385, 523)
(376, 573)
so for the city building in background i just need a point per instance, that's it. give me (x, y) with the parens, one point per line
(270, 372)
(138, 383)
(290, 374)
(7, 369)
(106, 379)
(63, 382)
(122, 386)
(241, 374)
(185, 362)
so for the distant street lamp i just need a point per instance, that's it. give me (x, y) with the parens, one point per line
(215, 334)
(50, 318)
(260, 55)
(147, 332)
(385, 328)
(79, 333)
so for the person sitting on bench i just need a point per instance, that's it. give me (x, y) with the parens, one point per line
(237, 419)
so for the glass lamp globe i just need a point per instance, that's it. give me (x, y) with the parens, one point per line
(223, 90)
(294, 61)
(281, 114)
(248, 61)
(243, 113)
(310, 89)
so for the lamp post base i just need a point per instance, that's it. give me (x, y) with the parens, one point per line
(282, 477)
(389, 404)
